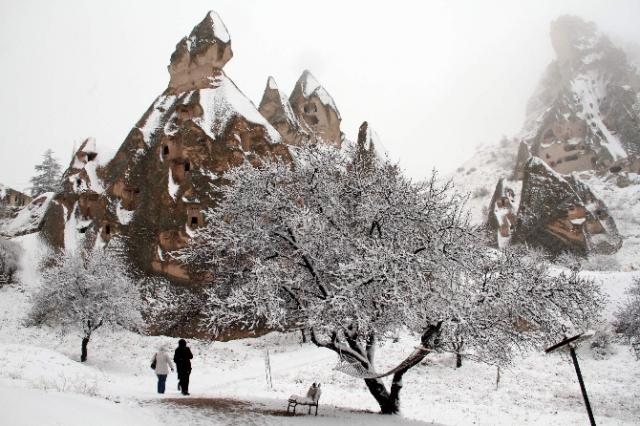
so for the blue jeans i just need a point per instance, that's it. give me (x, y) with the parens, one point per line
(162, 379)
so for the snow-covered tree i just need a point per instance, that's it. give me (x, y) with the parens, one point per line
(628, 317)
(170, 308)
(354, 252)
(85, 291)
(48, 173)
(9, 256)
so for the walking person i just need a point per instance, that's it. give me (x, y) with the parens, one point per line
(182, 358)
(161, 362)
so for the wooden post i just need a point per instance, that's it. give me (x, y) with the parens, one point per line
(267, 369)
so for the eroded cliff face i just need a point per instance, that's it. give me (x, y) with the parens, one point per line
(585, 113)
(560, 213)
(151, 195)
(275, 107)
(313, 105)
(308, 115)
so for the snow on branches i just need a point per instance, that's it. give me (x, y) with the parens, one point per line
(628, 317)
(9, 256)
(87, 290)
(355, 251)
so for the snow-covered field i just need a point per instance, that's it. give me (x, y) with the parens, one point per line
(42, 381)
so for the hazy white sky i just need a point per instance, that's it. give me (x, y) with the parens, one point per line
(434, 78)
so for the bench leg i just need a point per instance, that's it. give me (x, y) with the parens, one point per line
(316, 409)
(309, 412)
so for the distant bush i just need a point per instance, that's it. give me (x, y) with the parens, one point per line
(9, 260)
(628, 317)
(600, 344)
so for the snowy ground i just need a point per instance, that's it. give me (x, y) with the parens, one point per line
(42, 382)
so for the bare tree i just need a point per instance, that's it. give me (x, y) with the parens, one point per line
(85, 291)
(354, 251)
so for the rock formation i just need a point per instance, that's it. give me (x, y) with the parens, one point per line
(310, 114)
(312, 104)
(275, 107)
(19, 213)
(152, 193)
(560, 213)
(502, 213)
(10, 198)
(199, 56)
(585, 113)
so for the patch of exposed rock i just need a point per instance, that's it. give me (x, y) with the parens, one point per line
(312, 104)
(275, 107)
(560, 213)
(502, 213)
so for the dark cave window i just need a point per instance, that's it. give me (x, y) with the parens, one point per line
(165, 150)
(194, 220)
(107, 229)
(571, 158)
(310, 107)
(91, 156)
(187, 166)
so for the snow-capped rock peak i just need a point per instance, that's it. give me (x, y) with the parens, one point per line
(200, 56)
(271, 83)
(211, 28)
(571, 35)
(313, 104)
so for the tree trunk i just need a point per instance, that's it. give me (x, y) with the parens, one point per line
(380, 393)
(85, 342)
(458, 360)
(389, 401)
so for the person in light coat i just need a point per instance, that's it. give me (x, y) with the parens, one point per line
(163, 364)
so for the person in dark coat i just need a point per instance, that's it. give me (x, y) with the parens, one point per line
(182, 358)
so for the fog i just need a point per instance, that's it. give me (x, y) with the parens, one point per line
(434, 79)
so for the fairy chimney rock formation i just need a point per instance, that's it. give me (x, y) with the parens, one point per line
(560, 213)
(200, 56)
(152, 194)
(275, 107)
(585, 113)
(315, 107)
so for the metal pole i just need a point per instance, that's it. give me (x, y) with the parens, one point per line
(582, 387)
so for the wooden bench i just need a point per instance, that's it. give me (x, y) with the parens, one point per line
(310, 400)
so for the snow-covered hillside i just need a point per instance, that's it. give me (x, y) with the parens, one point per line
(116, 385)
(479, 175)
